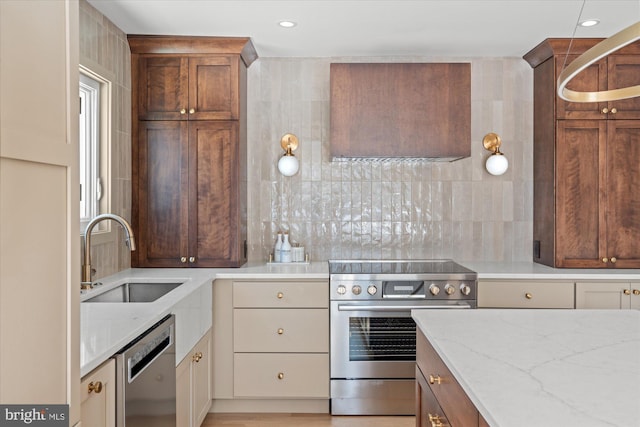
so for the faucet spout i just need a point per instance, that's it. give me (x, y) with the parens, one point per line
(86, 265)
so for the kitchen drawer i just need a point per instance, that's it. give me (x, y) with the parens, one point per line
(281, 294)
(281, 375)
(428, 411)
(455, 403)
(525, 294)
(281, 330)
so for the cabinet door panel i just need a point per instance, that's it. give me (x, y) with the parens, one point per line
(624, 71)
(213, 194)
(610, 296)
(579, 239)
(162, 194)
(593, 79)
(426, 404)
(213, 88)
(201, 378)
(162, 88)
(622, 196)
(98, 409)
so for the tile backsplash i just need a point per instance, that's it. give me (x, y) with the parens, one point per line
(373, 209)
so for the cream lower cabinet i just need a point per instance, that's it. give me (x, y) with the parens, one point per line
(525, 294)
(272, 346)
(608, 295)
(98, 396)
(193, 383)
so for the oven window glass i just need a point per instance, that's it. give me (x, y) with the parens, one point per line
(382, 338)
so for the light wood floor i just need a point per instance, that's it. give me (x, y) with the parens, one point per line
(304, 420)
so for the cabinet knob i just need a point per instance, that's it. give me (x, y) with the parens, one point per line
(95, 387)
(605, 110)
(528, 295)
(614, 110)
(280, 331)
(605, 260)
(636, 292)
(197, 357)
(435, 421)
(626, 292)
(435, 379)
(614, 259)
(280, 295)
(281, 375)
(183, 259)
(183, 111)
(192, 259)
(192, 110)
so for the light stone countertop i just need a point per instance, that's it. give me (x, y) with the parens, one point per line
(530, 368)
(533, 271)
(105, 328)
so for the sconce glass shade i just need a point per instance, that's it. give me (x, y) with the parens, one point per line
(288, 165)
(497, 164)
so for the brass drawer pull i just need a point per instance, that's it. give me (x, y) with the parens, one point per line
(280, 295)
(614, 110)
(614, 259)
(528, 295)
(280, 331)
(281, 375)
(626, 292)
(636, 292)
(192, 259)
(435, 421)
(95, 387)
(605, 260)
(192, 110)
(435, 379)
(197, 357)
(183, 111)
(183, 259)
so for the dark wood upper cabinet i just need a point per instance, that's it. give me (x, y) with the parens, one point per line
(396, 110)
(189, 173)
(586, 159)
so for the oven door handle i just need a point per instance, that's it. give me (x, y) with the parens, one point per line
(345, 307)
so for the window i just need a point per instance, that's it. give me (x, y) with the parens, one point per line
(94, 147)
(90, 185)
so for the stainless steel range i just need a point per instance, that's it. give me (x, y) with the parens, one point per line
(373, 338)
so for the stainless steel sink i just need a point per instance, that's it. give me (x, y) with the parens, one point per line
(135, 292)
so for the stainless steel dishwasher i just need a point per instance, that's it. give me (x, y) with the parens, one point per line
(146, 378)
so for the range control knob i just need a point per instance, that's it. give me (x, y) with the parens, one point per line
(356, 289)
(434, 289)
(372, 290)
(342, 289)
(449, 289)
(465, 289)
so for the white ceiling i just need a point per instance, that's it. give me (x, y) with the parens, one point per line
(333, 28)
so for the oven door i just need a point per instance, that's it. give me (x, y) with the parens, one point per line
(377, 339)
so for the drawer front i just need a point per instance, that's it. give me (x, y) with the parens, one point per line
(281, 375)
(271, 330)
(281, 294)
(457, 407)
(526, 294)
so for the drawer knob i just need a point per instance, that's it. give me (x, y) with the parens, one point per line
(636, 292)
(95, 387)
(280, 295)
(280, 331)
(197, 357)
(626, 292)
(281, 375)
(435, 421)
(528, 295)
(435, 379)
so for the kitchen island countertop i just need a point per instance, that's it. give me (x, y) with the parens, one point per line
(530, 368)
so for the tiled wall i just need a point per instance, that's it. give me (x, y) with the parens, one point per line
(389, 210)
(104, 50)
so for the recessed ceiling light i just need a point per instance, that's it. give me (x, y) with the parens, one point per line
(287, 24)
(589, 22)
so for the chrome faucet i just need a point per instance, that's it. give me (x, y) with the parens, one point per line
(86, 265)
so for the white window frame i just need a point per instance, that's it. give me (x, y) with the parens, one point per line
(98, 156)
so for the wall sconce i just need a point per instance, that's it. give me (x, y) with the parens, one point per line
(288, 165)
(497, 163)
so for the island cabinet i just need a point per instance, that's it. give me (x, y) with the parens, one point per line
(98, 396)
(193, 382)
(586, 159)
(440, 400)
(608, 295)
(272, 346)
(525, 294)
(189, 172)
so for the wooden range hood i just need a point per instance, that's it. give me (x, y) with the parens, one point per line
(400, 110)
